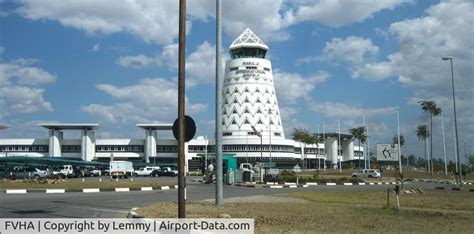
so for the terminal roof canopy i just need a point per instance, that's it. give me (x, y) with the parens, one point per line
(248, 39)
(344, 136)
(156, 126)
(69, 126)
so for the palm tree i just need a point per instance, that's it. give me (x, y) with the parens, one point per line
(423, 133)
(359, 134)
(304, 137)
(395, 140)
(430, 107)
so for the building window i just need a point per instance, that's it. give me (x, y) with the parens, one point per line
(234, 68)
(227, 134)
(266, 69)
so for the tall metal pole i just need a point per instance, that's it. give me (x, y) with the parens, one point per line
(399, 149)
(368, 147)
(270, 133)
(205, 155)
(325, 152)
(365, 150)
(219, 179)
(317, 150)
(339, 144)
(181, 110)
(444, 146)
(455, 150)
(427, 149)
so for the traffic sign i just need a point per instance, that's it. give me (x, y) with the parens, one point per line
(387, 152)
(189, 128)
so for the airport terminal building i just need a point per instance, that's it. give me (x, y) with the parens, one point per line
(251, 124)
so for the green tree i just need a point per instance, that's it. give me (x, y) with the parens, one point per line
(411, 160)
(402, 140)
(304, 138)
(423, 134)
(431, 108)
(359, 134)
(470, 159)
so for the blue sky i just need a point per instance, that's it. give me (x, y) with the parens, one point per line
(115, 63)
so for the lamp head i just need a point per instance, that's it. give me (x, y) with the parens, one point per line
(446, 57)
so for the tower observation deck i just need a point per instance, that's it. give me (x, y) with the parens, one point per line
(250, 105)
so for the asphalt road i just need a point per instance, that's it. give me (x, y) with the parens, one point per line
(117, 205)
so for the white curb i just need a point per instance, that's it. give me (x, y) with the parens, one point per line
(93, 190)
(15, 191)
(147, 188)
(122, 189)
(55, 190)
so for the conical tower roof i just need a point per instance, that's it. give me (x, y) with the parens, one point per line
(248, 39)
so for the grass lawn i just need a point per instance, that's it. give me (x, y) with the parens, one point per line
(105, 184)
(344, 211)
(387, 173)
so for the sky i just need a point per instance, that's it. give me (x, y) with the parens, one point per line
(115, 63)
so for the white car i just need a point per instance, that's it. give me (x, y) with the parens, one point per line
(366, 173)
(145, 171)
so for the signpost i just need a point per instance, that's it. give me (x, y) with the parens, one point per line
(387, 152)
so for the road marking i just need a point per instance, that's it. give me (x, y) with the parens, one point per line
(98, 209)
(147, 189)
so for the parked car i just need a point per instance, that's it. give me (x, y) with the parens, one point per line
(366, 173)
(96, 172)
(145, 171)
(165, 171)
(28, 172)
(65, 171)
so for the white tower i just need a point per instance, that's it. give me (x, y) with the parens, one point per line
(249, 95)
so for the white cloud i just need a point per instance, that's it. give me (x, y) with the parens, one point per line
(152, 21)
(16, 100)
(16, 97)
(338, 13)
(352, 50)
(334, 109)
(24, 75)
(291, 86)
(200, 64)
(96, 47)
(373, 71)
(151, 100)
(157, 21)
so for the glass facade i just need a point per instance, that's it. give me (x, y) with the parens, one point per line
(248, 53)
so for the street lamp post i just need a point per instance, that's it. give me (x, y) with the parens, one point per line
(399, 153)
(270, 133)
(455, 120)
